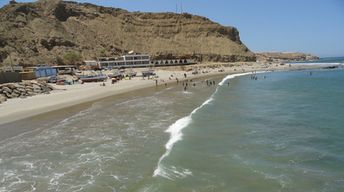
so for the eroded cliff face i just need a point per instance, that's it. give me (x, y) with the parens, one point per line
(43, 31)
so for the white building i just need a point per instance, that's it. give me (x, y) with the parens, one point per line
(134, 60)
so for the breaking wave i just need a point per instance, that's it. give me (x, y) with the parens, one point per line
(175, 131)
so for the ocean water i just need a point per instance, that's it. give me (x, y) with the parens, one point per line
(281, 132)
(324, 61)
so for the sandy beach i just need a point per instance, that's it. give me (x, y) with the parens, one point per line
(69, 95)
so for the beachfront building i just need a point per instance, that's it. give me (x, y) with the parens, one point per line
(134, 60)
(172, 62)
(49, 71)
(125, 61)
(9, 77)
(12, 68)
(43, 71)
(65, 69)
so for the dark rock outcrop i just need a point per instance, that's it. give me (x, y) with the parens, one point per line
(56, 41)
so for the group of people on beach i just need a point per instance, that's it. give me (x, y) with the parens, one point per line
(185, 84)
(209, 83)
(254, 76)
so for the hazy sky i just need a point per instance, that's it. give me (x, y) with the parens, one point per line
(312, 26)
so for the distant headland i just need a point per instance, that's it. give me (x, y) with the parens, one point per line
(285, 56)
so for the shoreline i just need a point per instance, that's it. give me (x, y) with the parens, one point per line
(19, 109)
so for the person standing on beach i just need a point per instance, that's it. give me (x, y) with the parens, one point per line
(156, 82)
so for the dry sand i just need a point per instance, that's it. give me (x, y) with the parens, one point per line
(69, 95)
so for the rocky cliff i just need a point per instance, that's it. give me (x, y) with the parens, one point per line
(44, 31)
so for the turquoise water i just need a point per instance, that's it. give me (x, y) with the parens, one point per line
(324, 60)
(281, 132)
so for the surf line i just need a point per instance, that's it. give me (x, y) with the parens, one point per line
(175, 130)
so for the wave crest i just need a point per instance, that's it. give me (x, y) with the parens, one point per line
(176, 134)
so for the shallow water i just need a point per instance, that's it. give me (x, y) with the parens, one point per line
(110, 145)
(279, 133)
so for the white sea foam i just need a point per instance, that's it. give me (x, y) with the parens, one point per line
(233, 76)
(187, 92)
(281, 179)
(176, 134)
(33, 188)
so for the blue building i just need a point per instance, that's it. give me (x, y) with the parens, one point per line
(45, 71)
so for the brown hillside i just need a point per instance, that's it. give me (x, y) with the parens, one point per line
(287, 56)
(44, 31)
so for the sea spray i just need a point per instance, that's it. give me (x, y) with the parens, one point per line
(176, 134)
